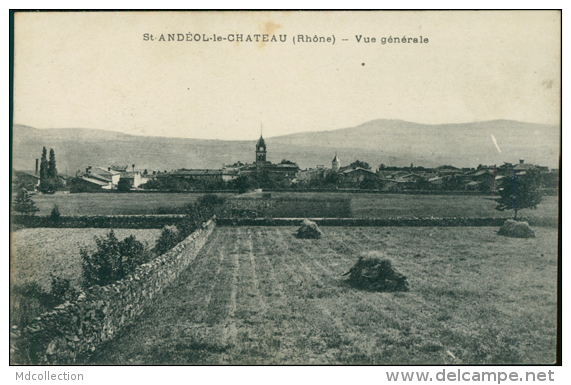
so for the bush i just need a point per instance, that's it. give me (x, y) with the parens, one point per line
(133, 253)
(374, 272)
(112, 260)
(102, 266)
(62, 290)
(169, 237)
(50, 185)
(55, 214)
(212, 200)
(123, 185)
(24, 204)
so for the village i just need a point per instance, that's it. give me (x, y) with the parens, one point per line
(287, 175)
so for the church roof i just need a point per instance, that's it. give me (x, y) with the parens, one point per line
(336, 159)
(261, 142)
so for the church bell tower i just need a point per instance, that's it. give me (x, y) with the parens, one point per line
(261, 150)
(336, 163)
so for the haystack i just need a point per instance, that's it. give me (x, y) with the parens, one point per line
(374, 272)
(515, 229)
(309, 230)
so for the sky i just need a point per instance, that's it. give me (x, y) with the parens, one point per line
(96, 70)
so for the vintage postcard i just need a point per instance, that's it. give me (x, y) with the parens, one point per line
(285, 188)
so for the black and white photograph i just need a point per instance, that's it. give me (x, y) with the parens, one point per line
(285, 188)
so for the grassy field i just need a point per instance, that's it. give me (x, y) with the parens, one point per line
(113, 204)
(257, 295)
(363, 205)
(38, 252)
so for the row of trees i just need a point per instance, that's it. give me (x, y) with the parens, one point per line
(49, 179)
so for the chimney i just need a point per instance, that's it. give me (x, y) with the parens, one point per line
(133, 168)
(37, 160)
(521, 161)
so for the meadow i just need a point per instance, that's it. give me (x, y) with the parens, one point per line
(115, 203)
(37, 253)
(362, 205)
(258, 295)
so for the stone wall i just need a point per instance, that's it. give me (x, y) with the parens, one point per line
(75, 329)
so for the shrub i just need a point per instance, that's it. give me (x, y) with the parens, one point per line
(55, 214)
(212, 200)
(102, 266)
(169, 237)
(112, 260)
(133, 253)
(62, 290)
(374, 272)
(123, 185)
(24, 204)
(191, 220)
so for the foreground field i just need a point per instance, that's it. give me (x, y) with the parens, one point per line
(257, 295)
(38, 252)
(363, 205)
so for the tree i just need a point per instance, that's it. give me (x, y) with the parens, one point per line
(55, 214)
(49, 180)
(421, 183)
(102, 266)
(360, 164)
(112, 260)
(243, 183)
(331, 179)
(49, 186)
(371, 183)
(123, 185)
(24, 204)
(44, 165)
(519, 192)
(52, 170)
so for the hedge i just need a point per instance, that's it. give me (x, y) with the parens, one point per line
(99, 221)
(413, 222)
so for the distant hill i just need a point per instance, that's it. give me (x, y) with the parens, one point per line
(392, 142)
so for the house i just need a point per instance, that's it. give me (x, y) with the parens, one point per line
(483, 180)
(86, 183)
(312, 175)
(353, 177)
(107, 173)
(25, 179)
(521, 166)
